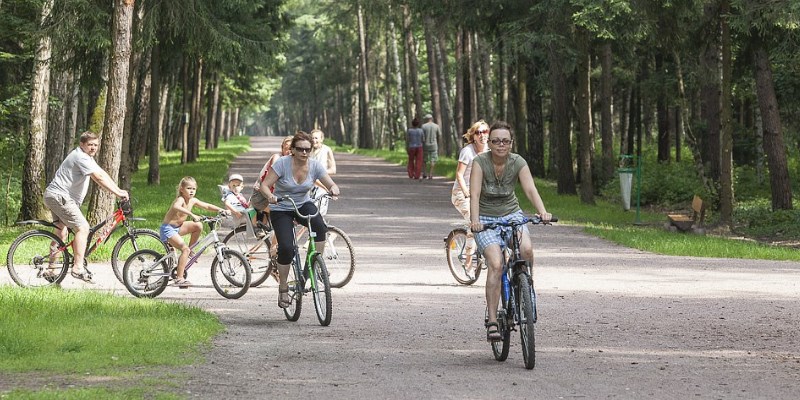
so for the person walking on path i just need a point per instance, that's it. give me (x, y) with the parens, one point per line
(431, 134)
(476, 138)
(494, 177)
(65, 193)
(414, 149)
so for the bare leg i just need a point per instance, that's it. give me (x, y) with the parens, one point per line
(79, 247)
(494, 259)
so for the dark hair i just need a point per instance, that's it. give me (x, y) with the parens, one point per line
(87, 136)
(299, 137)
(501, 125)
(415, 122)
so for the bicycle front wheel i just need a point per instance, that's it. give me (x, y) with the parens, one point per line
(146, 273)
(321, 288)
(340, 257)
(457, 253)
(527, 318)
(135, 240)
(231, 277)
(254, 249)
(500, 348)
(292, 312)
(34, 259)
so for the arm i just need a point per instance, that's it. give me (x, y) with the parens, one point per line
(331, 163)
(207, 206)
(231, 209)
(270, 180)
(529, 187)
(475, 183)
(330, 185)
(460, 169)
(103, 179)
(264, 169)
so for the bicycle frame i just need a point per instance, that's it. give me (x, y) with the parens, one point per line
(307, 273)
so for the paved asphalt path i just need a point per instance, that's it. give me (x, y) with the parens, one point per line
(614, 322)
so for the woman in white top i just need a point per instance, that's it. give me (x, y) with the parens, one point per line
(476, 143)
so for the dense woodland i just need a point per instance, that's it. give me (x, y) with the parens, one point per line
(712, 83)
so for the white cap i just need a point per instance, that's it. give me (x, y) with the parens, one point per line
(235, 177)
(428, 116)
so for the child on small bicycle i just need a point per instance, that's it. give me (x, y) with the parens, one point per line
(175, 226)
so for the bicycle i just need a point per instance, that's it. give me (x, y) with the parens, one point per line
(339, 254)
(457, 251)
(147, 273)
(255, 247)
(518, 297)
(40, 258)
(314, 271)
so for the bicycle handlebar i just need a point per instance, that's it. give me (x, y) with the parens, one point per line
(297, 210)
(535, 220)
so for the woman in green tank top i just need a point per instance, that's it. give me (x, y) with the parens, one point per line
(495, 175)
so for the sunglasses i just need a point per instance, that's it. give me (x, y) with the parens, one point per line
(482, 132)
(303, 149)
(504, 142)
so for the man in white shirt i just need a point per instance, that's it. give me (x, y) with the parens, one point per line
(65, 193)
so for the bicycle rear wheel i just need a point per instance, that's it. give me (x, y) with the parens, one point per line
(137, 239)
(231, 277)
(292, 312)
(527, 318)
(146, 273)
(321, 288)
(254, 249)
(32, 263)
(340, 257)
(456, 250)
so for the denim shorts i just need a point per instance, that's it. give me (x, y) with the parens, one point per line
(489, 237)
(167, 231)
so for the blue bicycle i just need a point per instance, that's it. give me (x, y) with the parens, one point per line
(518, 297)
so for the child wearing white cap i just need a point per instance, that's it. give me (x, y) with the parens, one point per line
(234, 201)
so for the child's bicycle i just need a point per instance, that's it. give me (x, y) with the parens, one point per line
(314, 272)
(518, 298)
(39, 257)
(463, 257)
(147, 273)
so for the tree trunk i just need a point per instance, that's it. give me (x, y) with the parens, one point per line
(606, 119)
(211, 113)
(521, 124)
(365, 134)
(485, 76)
(709, 76)
(411, 50)
(433, 76)
(561, 124)
(459, 100)
(195, 121)
(535, 122)
(56, 135)
(445, 88)
(726, 194)
(32, 206)
(472, 59)
(101, 202)
(774, 147)
(662, 116)
(154, 131)
(584, 109)
(401, 105)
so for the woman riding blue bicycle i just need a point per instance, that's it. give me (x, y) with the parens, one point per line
(294, 175)
(494, 177)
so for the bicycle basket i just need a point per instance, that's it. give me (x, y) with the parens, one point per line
(126, 207)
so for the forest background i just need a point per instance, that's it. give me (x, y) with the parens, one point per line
(703, 93)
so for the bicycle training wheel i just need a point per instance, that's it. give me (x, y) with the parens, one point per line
(32, 263)
(137, 239)
(254, 249)
(527, 318)
(231, 277)
(340, 257)
(292, 312)
(146, 273)
(456, 251)
(321, 288)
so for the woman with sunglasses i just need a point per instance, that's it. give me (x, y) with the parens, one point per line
(494, 177)
(476, 137)
(294, 175)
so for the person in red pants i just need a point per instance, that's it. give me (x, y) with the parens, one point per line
(414, 149)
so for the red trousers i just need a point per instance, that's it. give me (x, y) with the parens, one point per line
(414, 162)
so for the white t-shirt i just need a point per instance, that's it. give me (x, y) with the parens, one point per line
(286, 184)
(465, 157)
(322, 155)
(72, 177)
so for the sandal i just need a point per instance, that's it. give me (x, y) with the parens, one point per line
(182, 283)
(493, 332)
(284, 301)
(85, 276)
(50, 275)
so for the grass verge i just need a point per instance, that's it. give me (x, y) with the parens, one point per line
(607, 219)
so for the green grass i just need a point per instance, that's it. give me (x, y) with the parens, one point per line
(77, 333)
(609, 221)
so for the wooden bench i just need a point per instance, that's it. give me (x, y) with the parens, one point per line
(688, 221)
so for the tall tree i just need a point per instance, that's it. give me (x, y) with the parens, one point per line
(583, 100)
(365, 134)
